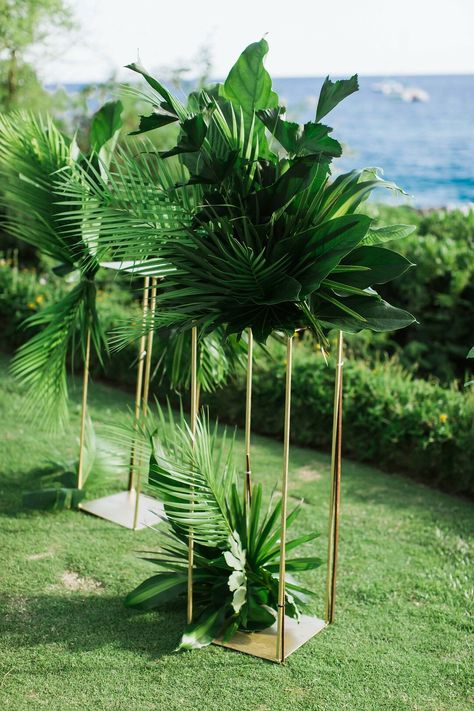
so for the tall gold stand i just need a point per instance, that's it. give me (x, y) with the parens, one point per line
(194, 414)
(335, 495)
(139, 386)
(248, 419)
(82, 437)
(132, 509)
(279, 641)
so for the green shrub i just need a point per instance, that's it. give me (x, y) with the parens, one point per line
(391, 419)
(22, 293)
(439, 291)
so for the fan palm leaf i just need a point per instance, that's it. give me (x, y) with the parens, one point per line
(33, 152)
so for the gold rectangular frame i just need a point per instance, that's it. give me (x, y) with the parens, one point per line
(130, 509)
(277, 642)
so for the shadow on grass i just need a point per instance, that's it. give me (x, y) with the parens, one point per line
(81, 623)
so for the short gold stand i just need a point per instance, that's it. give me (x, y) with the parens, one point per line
(263, 644)
(130, 508)
(120, 509)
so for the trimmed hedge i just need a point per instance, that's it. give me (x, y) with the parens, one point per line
(439, 291)
(390, 419)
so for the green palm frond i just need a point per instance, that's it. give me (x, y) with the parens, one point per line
(33, 154)
(40, 364)
(218, 359)
(236, 543)
(125, 212)
(32, 150)
(193, 475)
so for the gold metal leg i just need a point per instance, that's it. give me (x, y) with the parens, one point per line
(280, 645)
(139, 386)
(194, 411)
(85, 383)
(130, 508)
(146, 390)
(334, 501)
(248, 419)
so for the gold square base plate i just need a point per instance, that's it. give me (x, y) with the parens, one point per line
(264, 644)
(120, 509)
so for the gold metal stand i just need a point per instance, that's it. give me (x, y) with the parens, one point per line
(248, 419)
(194, 413)
(279, 641)
(132, 509)
(334, 505)
(146, 390)
(139, 385)
(82, 437)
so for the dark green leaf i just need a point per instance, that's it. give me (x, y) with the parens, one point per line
(294, 564)
(157, 119)
(205, 630)
(193, 134)
(378, 315)
(384, 265)
(156, 590)
(321, 248)
(106, 123)
(333, 92)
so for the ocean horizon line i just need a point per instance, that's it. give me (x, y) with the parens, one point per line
(285, 77)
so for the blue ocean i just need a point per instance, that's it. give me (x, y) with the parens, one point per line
(426, 145)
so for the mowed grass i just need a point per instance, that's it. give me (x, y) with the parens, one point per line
(401, 638)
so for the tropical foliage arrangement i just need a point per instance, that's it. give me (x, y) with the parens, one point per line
(236, 544)
(252, 232)
(244, 227)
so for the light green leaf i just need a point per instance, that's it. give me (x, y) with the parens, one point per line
(249, 84)
(389, 233)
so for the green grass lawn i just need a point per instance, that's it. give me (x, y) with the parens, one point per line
(401, 637)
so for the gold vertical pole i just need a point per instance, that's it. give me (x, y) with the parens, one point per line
(334, 500)
(149, 347)
(194, 411)
(85, 383)
(139, 386)
(146, 390)
(248, 419)
(280, 647)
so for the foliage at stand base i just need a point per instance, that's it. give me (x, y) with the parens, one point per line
(268, 241)
(58, 481)
(390, 419)
(236, 545)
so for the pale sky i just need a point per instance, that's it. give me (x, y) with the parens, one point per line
(306, 37)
